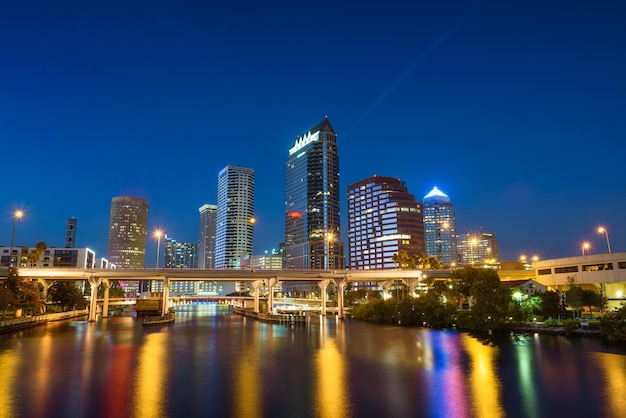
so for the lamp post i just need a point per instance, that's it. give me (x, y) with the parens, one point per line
(329, 239)
(473, 242)
(585, 247)
(252, 222)
(603, 230)
(18, 214)
(157, 234)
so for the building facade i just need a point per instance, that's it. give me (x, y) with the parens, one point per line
(478, 248)
(383, 219)
(206, 243)
(440, 227)
(312, 212)
(70, 233)
(234, 231)
(128, 230)
(82, 258)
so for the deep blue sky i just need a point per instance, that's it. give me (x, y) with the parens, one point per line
(515, 109)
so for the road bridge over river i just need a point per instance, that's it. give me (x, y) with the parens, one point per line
(95, 277)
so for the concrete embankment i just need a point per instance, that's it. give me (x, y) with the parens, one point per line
(10, 325)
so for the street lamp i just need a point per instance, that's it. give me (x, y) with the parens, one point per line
(18, 214)
(473, 242)
(329, 239)
(252, 222)
(157, 234)
(603, 230)
(585, 247)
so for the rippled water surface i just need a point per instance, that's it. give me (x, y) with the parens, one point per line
(211, 363)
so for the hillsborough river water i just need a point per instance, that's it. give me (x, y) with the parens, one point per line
(214, 364)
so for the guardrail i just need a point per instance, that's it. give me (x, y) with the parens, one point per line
(7, 325)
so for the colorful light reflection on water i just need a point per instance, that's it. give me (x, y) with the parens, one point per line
(212, 363)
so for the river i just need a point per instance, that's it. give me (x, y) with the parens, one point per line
(211, 363)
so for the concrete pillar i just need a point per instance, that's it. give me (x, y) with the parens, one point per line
(255, 285)
(411, 283)
(270, 294)
(341, 285)
(47, 284)
(166, 295)
(323, 284)
(385, 286)
(106, 283)
(93, 305)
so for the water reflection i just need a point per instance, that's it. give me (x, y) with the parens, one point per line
(331, 380)
(483, 380)
(247, 395)
(9, 362)
(150, 380)
(211, 363)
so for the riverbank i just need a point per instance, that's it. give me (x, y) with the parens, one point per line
(274, 318)
(11, 325)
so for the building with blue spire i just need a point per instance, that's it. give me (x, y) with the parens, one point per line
(440, 227)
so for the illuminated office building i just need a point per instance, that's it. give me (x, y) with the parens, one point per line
(128, 229)
(206, 243)
(234, 231)
(312, 224)
(440, 227)
(383, 219)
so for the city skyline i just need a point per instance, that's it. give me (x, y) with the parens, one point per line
(515, 111)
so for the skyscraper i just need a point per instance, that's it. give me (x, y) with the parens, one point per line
(440, 227)
(234, 232)
(206, 243)
(128, 229)
(479, 248)
(383, 218)
(70, 233)
(312, 225)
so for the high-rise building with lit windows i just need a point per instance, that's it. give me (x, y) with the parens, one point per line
(478, 248)
(440, 227)
(206, 243)
(312, 224)
(383, 219)
(128, 229)
(234, 231)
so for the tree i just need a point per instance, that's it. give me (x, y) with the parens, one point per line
(68, 295)
(591, 299)
(115, 291)
(28, 293)
(401, 258)
(575, 299)
(551, 304)
(7, 299)
(35, 255)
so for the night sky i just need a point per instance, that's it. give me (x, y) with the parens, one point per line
(515, 109)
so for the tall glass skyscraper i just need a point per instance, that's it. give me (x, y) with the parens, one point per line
(234, 232)
(312, 225)
(206, 243)
(128, 229)
(440, 227)
(383, 218)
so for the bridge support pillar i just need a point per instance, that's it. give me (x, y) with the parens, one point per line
(323, 284)
(93, 305)
(106, 283)
(166, 295)
(411, 283)
(341, 285)
(47, 284)
(385, 286)
(256, 285)
(270, 294)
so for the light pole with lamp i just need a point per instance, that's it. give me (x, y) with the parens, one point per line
(18, 214)
(329, 239)
(585, 247)
(473, 242)
(157, 234)
(603, 230)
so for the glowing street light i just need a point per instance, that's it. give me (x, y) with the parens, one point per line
(603, 230)
(157, 234)
(18, 214)
(329, 239)
(473, 242)
(585, 247)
